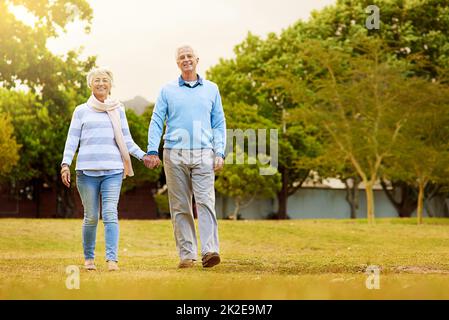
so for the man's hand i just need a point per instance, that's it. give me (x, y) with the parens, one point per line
(218, 163)
(152, 161)
(65, 176)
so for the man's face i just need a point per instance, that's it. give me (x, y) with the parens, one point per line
(187, 61)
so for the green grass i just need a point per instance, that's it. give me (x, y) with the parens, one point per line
(295, 259)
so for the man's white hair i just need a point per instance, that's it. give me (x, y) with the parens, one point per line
(186, 46)
(100, 71)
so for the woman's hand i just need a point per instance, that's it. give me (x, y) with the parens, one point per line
(65, 175)
(151, 162)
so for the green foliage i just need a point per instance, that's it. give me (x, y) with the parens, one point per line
(413, 30)
(56, 85)
(31, 127)
(363, 103)
(422, 155)
(162, 204)
(249, 82)
(340, 93)
(138, 127)
(25, 58)
(244, 182)
(10, 149)
(423, 149)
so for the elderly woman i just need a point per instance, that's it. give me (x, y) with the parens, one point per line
(100, 128)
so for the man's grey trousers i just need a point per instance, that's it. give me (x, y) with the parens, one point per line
(192, 172)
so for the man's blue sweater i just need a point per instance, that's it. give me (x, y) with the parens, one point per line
(194, 117)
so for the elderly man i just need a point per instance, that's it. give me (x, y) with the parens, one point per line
(194, 146)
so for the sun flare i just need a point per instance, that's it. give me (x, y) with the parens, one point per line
(23, 15)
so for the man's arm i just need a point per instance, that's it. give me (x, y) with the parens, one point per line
(155, 131)
(157, 124)
(218, 123)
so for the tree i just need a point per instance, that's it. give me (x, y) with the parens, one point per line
(10, 149)
(412, 30)
(29, 119)
(247, 79)
(328, 163)
(415, 31)
(138, 126)
(362, 102)
(55, 86)
(242, 177)
(422, 155)
(244, 183)
(403, 195)
(25, 57)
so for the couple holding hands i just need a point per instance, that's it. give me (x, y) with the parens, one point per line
(194, 146)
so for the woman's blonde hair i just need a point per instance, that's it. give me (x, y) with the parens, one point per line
(100, 71)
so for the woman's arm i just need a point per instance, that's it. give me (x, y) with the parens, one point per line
(73, 138)
(133, 148)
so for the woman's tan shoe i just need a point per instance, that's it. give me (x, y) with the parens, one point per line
(90, 265)
(113, 266)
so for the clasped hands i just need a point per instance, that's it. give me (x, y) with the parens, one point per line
(151, 161)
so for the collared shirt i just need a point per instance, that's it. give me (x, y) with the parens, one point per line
(197, 82)
(194, 117)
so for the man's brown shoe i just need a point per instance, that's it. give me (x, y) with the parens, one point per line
(211, 259)
(187, 263)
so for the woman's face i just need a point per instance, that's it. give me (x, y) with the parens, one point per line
(101, 87)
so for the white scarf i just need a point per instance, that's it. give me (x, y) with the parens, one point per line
(112, 108)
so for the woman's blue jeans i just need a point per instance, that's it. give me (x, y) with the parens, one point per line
(90, 190)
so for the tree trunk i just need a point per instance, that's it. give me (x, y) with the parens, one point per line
(419, 211)
(352, 195)
(283, 195)
(431, 190)
(224, 206)
(369, 202)
(408, 200)
(236, 208)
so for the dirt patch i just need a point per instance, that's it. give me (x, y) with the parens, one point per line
(419, 269)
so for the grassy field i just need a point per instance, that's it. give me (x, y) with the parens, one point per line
(296, 259)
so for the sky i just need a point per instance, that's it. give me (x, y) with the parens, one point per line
(137, 39)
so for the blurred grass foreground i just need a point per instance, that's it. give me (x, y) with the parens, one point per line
(306, 259)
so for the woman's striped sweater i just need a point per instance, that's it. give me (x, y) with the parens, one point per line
(93, 132)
